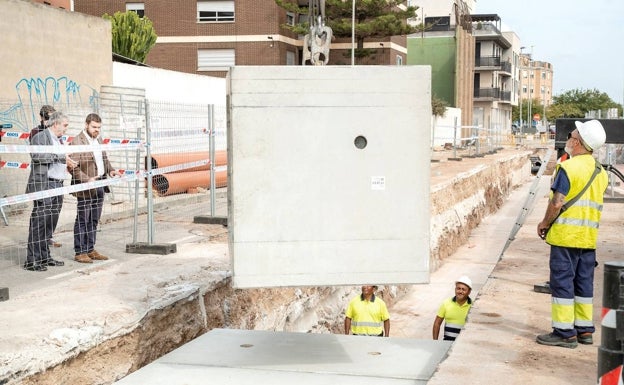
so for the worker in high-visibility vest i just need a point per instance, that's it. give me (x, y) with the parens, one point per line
(454, 311)
(367, 315)
(572, 234)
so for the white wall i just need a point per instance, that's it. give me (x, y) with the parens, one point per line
(165, 85)
(443, 129)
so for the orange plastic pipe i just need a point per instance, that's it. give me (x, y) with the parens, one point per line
(181, 182)
(171, 159)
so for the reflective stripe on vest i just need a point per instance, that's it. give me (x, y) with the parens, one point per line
(578, 225)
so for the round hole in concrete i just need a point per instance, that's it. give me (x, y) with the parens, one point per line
(360, 142)
(246, 345)
(374, 353)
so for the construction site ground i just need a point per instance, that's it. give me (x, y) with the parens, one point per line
(76, 325)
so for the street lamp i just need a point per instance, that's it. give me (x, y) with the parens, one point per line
(520, 84)
(529, 89)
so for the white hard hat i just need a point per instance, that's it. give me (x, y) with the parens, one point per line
(592, 133)
(465, 280)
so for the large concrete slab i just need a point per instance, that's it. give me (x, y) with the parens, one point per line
(227, 356)
(308, 207)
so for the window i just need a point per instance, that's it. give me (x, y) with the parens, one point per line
(215, 59)
(139, 8)
(290, 18)
(399, 60)
(215, 11)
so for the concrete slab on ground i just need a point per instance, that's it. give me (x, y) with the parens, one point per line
(261, 357)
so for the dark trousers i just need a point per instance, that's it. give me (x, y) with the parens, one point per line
(572, 275)
(88, 215)
(43, 220)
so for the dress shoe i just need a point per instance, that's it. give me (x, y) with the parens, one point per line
(97, 256)
(83, 258)
(52, 262)
(54, 243)
(32, 267)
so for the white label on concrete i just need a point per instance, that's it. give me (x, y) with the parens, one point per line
(303, 144)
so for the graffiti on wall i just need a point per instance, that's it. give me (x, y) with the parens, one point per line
(32, 93)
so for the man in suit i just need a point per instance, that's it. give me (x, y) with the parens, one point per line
(47, 171)
(91, 166)
(44, 115)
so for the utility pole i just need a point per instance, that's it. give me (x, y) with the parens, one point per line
(529, 89)
(520, 85)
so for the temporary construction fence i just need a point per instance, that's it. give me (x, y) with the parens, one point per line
(477, 141)
(163, 151)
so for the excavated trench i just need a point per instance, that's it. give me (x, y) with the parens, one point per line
(458, 205)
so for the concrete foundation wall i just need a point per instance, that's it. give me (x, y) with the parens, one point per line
(307, 206)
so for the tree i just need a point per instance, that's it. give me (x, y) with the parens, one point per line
(374, 18)
(575, 103)
(133, 36)
(571, 104)
(536, 108)
(438, 106)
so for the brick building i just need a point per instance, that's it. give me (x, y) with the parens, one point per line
(64, 4)
(207, 36)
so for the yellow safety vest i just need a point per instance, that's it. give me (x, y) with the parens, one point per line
(578, 225)
(367, 317)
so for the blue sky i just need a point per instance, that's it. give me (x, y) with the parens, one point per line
(582, 39)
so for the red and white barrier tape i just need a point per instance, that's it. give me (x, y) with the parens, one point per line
(51, 149)
(126, 176)
(23, 198)
(66, 138)
(607, 318)
(12, 164)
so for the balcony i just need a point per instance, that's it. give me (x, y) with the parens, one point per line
(492, 94)
(485, 94)
(487, 28)
(493, 63)
(488, 61)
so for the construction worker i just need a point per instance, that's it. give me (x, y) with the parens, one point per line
(367, 315)
(454, 311)
(572, 232)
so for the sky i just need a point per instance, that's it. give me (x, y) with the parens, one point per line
(582, 39)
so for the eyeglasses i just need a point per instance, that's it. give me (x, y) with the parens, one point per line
(571, 136)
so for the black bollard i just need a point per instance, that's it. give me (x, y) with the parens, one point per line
(610, 353)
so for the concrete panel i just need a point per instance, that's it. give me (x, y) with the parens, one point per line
(306, 206)
(261, 357)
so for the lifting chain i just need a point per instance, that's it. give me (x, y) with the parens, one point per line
(316, 43)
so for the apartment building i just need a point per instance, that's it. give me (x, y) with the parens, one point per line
(208, 36)
(494, 84)
(536, 80)
(448, 46)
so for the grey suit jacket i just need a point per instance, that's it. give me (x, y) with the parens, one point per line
(38, 179)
